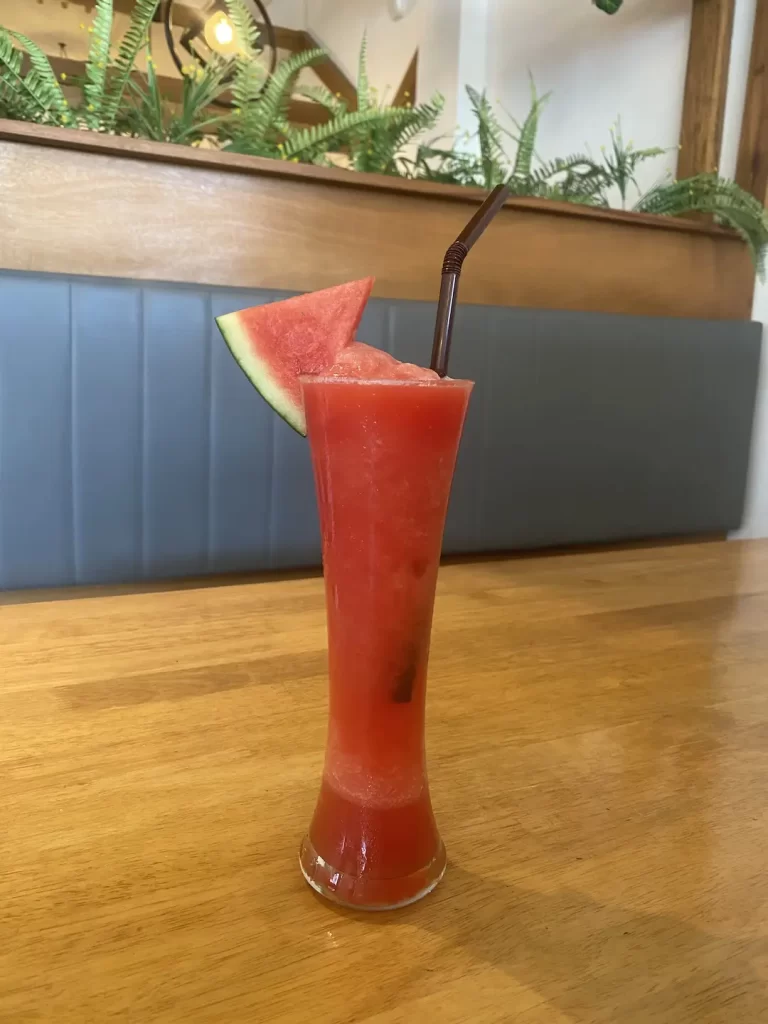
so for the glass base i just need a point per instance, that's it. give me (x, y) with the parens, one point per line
(361, 893)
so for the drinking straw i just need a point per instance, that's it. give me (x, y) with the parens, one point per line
(449, 283)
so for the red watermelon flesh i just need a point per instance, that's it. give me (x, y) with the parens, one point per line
(276, 343)
(363, 362)
(309, 335)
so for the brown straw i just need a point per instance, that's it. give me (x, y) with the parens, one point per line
(449, 284)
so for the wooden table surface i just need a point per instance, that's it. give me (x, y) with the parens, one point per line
(598, 744)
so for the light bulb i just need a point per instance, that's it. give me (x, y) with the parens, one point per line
(223, 32)
(220, 33)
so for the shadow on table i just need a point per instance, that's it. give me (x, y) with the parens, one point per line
(586, 961)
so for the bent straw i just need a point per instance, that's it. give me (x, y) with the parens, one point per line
(449, 283)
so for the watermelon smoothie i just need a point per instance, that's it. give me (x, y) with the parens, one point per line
(383, 453)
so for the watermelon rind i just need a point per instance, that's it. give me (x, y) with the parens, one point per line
(275, 344)
(258, 373)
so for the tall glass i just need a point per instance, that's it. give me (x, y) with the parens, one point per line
(383, 454)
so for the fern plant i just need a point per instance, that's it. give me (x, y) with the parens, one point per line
(621, 160)
(260, 121)
(147, 114)
(574, 179)
(377, 142)
(490, 141)
(730, 204)
(311, 145)
(94, 84)
(261, 126)
(35, 96)
(526, 143)
(38, 96)
(133, 43)
(485, 167)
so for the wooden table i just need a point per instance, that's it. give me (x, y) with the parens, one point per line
(598, 741)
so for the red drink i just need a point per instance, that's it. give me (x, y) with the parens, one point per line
(383, 454)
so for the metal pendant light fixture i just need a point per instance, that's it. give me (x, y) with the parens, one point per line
(208, 30)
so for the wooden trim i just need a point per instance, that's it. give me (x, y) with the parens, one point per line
(95, 205)
(188, 156)
(406, 91)
(752, 165)
(292, 39)
(706, 84)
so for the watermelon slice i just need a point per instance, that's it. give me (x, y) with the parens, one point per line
(309, 335)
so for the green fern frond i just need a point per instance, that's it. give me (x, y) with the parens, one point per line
(576, 175)
(448, 166)
(363, 88)
(308, 139)
(245, 27)
(489, 137)
(247, 83)
(36, 96)
(559, 192)
(422, 118)
(15, 99)
(378, 147)
(254, 130)
(526, 144)
(42, 79)
(621, 161)
(574, 162)
(319, 94)
(96, 66)
(134, 40)
(730, 204)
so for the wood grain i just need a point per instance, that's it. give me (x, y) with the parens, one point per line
(597, 731)
(90, 204)
(706, 84)
(752, 165)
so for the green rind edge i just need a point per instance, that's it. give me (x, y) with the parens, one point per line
(258, 373)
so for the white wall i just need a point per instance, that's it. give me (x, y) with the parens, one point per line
(756, 519)
(339, 25)
(597, 67)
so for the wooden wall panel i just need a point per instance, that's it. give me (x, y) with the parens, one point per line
(123, 208)
(706, 84)
(752, 166)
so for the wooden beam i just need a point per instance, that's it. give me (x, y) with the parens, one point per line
(752, 165)
(183, 16)
(406, 92)
(286, 38)
(331, 75)
(706, 82)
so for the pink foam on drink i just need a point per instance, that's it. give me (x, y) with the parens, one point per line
(391, 782)
(362, 362)
(394, 788)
